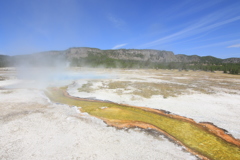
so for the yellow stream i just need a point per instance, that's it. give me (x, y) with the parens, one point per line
(194, 137)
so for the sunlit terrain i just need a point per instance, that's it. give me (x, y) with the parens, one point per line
(34, 126)
(119, 80)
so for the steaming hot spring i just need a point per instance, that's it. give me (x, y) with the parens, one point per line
(85, 113)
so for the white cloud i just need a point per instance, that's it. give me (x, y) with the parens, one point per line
(119, 46)
(235, 45)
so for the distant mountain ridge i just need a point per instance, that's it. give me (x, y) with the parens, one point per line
(144, 55)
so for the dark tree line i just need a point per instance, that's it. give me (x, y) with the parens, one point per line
(101, 60)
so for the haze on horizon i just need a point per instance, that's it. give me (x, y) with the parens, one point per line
(188, 27)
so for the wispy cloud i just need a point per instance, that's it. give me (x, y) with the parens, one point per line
(119, 46)
(207, 23)
(185, 8)
(190, 31)
(216, 44)
(233, 46)
(117, 22)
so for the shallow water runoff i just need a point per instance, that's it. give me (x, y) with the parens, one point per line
(196, 138)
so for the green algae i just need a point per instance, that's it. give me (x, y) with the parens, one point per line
(192, 136)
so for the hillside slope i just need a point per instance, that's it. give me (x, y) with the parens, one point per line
(94, 55)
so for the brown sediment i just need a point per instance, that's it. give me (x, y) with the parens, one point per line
(209, 126)
(132, 124)
(205, 126)
(220, 133)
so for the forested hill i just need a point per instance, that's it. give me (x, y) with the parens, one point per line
(123, 58)
(143, 55)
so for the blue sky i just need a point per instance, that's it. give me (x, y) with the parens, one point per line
(191, 27)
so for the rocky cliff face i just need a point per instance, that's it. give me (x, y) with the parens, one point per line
(128, 54)
(79, 52)
(140, 55)
(231, 60)
(158, 56)
(185, 58)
